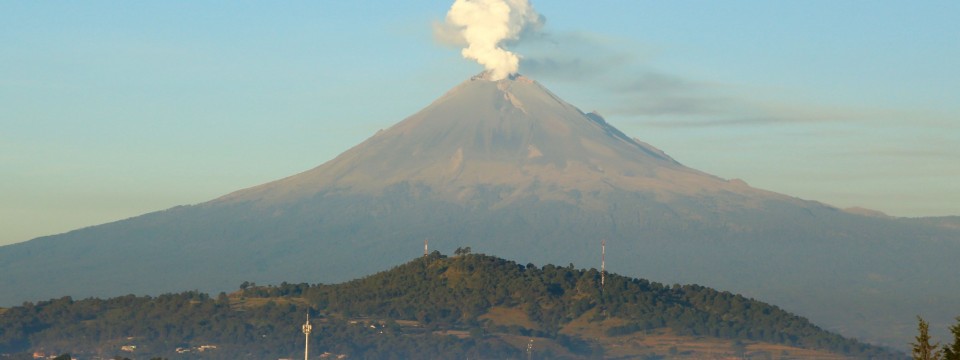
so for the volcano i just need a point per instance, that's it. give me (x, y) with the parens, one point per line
(496, 142)
(508, 168)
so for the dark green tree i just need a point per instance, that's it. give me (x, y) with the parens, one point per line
(922, 349)
(952, 351)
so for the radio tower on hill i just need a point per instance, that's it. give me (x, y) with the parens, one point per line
(425, 243)
(307, 328)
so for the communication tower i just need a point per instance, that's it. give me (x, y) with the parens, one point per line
(425, 246)
(603, 262)
(307, 328)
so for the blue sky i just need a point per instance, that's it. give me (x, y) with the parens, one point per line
(114, 109)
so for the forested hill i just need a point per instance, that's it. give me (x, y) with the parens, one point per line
(461, 289)
(467, 305)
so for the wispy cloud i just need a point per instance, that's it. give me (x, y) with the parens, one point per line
(621, 72)
(660, 105)
(718, 122)
(651, 83)
(732, 111)
(577, 56)
(633, 88)
(910, 153)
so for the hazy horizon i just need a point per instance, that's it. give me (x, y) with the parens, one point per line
(114, 110)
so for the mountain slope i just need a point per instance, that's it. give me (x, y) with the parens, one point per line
(513, 134)
(509, 168)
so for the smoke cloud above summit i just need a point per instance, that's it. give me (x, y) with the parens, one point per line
(484, 26)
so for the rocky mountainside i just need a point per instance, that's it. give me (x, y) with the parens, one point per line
(509, 168)
(513, 135)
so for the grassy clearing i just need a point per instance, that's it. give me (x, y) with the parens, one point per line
(688, 347)
(408, 323)
(540, 345)
(459, 334)
(665, 342)
(587, 329)
(243, 303)
(506, 316)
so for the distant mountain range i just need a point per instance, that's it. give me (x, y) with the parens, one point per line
(509, 168)
(433, 307)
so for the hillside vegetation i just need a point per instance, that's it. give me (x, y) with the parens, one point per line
(474, 306)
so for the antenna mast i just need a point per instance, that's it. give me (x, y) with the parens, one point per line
(603, 262)
(425, 243)
(307, 328)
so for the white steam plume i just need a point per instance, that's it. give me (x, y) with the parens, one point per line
(485, 24)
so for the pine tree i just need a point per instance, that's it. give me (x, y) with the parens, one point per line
(952, 352)
(922, 350)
